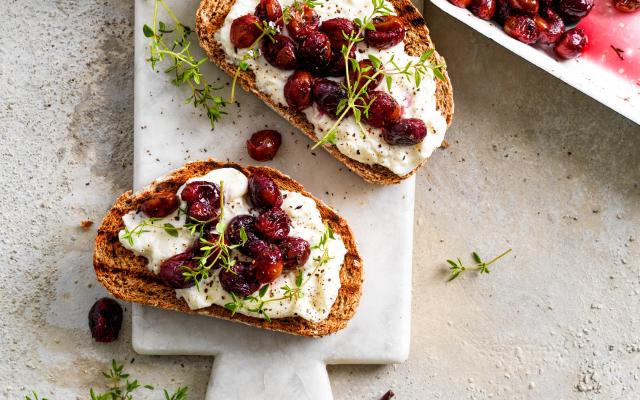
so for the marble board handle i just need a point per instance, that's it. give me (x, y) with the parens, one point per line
(237, 376)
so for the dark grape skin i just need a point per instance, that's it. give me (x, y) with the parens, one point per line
(389, 32)
(327, 94)
(384, 109)
(303, 22)
(529, 7)
(242, 281)
(571, 44)
(315, 53)
(264, 145)
(297, 90)
(280, 52)
(295, 252)
(335, 29)
(483, 9)
(159, 205)
(233, 236)
(245, 31)
(572, 11)
(273, 224)
(270, 11)
(268, 264)
(406, 132)
(550, 26)
(105, 320)
(263, 191)
(172, 269)
(523, 28)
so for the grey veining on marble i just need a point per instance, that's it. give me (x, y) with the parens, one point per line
(533, 165)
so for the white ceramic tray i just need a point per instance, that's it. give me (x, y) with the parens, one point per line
(252, 363)
(621, 95)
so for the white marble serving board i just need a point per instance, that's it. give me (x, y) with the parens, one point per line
(251, 363)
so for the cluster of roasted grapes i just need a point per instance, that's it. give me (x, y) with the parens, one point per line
(537, 21)
(267, 243)
(313, 50)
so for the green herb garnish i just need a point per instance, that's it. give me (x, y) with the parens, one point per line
(171, 41)
(356, 103)
(457, 267)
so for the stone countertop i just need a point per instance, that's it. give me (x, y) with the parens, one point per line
(532, 164)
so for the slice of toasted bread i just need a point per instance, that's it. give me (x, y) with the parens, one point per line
(127, 277)
(210, 18)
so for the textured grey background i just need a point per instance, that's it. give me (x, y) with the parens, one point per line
(533, 164)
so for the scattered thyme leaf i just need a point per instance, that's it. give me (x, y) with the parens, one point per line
(457, 267)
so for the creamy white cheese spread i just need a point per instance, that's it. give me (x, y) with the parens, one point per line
(321, 284)
(369, 148)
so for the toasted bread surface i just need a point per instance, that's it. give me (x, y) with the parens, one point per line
(127, 277)
(210, 18)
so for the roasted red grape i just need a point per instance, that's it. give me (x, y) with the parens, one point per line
(483, 9)
(406, 132)
(295, 252)
(523, 28)
(384, 109)
(242, 281)
(280, 52)
(550, 26)
(366, 73)
(388, 33)
(627, 6)
(105, 320)
(297, 90)
(315, 52)
(327, 95)
(336, 65)
(304, 21)
(203, 200)
(503, 11)
(270, 11)
(172, 269)
(201, 190)
(571, 44)
(245, 31)
(233, 236)
(268, 264)
(263, 145)
(530, 7)
(160, 204)
(573, 11)
(335, 29)
(273, 224)
(263, 191)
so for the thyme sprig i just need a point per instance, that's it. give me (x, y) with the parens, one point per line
(121, 387)
(171, 41)
(356, 101)
(457, 267)
(216, 253)
(141, 228)
(256, 304)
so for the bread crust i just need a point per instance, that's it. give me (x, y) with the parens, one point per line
(210, 17)
(127, 277)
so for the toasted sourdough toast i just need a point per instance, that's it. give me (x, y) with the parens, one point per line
(127, 277)
(210, 18)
